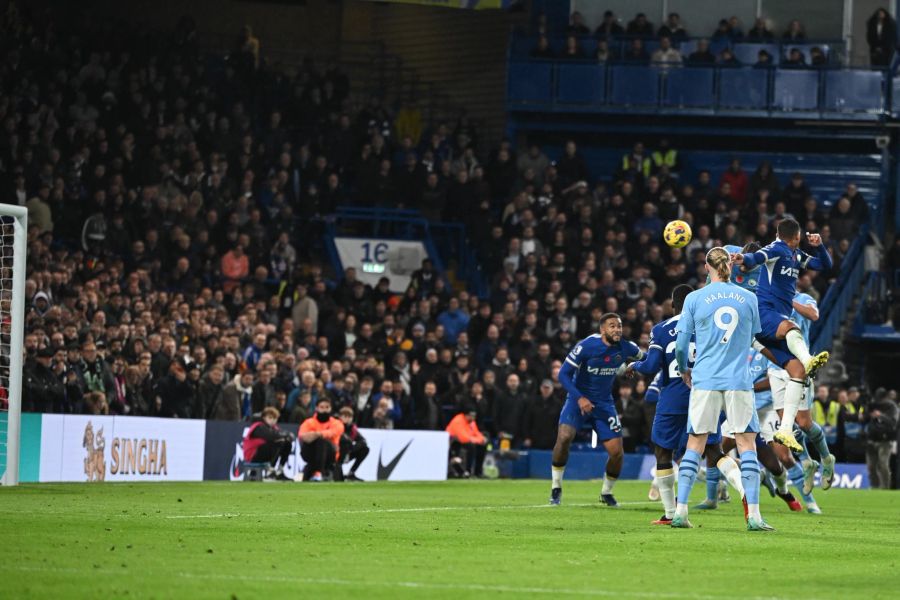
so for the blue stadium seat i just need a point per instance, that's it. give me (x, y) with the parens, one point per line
(746, 88)
(580, 84)
(687, 47)
(895, 95)
(634, 86)
(690, 87)
(530, 83)
(717, 46)
(854, 91)
(796, 89)
(748, 53)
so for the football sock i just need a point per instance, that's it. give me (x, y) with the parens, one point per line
(781, 482)
(817, 437)
(796, 475)
(797, 346)
(556, 474)
(732, 473)
(750, 479)
(608, 483)
(687, 474)
(665, 481)
(793, 394)
(803, 454)
(712, 484)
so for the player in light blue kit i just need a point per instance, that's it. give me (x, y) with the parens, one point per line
(588, 374)
(805, 311)
(782, 262)
(669, 432)
(724, 319)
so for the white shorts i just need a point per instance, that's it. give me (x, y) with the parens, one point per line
(706, 406)
(778, 380)
(768, 423)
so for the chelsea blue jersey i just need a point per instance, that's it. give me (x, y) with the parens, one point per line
(596, 366)
(780, 267)
(674, 394)
(652, 395)
(724, 319)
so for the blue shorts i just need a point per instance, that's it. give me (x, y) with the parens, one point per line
(603, 419)
(770, 321)
(671, 432)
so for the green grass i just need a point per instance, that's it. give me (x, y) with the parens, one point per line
(473, 539)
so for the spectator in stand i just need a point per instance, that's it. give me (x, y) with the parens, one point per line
(353, 446)
(43, 389)
(881, 417)
(576, 24)
(817, 57)
(573, 49)
(235, 267)
(666, 54)
(604, 54)
(735, 31)
(542, 49)
(841, 220)
(672, 29)
(728, 59)
(722, 32)
(881, 35)
(264, 442)
(858, 205)
(764, 60)
(609, 27)
(795, 194)
(467, 444)
(571, 167)
(736, 177)
(635, 53)
(542, 416)
(640, 26)
(764, 179)
(794, 32)
(760, 32)
(320, 437)
(794, 60)
(702, 55)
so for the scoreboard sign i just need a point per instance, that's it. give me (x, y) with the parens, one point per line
(375, 258)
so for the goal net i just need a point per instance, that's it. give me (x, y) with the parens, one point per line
(12, 321)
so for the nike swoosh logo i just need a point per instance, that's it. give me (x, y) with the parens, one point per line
(384, 471)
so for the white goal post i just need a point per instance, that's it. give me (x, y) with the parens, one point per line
(13, 249)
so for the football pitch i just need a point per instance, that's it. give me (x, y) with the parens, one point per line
(459, 539)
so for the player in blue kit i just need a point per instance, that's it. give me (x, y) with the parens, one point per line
(669, 432)
(805, 312)
(724, 319)
(782, 261)
(588, 374)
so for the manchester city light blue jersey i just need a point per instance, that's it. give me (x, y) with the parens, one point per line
(804, 323)
(759, 367)
(723, 318)
(749, 280)
(596, 365)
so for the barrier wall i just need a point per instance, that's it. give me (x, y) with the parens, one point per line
(104, 448)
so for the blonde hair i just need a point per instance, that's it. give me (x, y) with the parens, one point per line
(719, 259)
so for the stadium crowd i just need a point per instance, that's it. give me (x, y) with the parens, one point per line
(171, 200)
(614, 40)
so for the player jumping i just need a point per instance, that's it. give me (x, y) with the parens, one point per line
(669, 432)
(724, 319)
(587, 375)
(776, 290)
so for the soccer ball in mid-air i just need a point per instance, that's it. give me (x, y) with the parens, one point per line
(677, 234)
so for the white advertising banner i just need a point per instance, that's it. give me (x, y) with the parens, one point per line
(376, 258)
(99, 448)
(394, 455)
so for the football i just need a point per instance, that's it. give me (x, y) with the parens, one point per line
(677, 234)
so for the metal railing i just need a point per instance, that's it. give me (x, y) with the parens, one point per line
(833, 308)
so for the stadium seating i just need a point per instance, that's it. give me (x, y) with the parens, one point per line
(689, 87)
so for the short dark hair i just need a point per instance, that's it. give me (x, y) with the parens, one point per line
(751, 247)
(788, 228)
(679, 294)
(607, 316)
(346, 412)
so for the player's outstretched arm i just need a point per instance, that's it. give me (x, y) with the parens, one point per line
(810, 311)
(822, 261)
(652, 363)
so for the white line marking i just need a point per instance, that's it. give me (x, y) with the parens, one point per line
(418, 585)
(421, 509)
